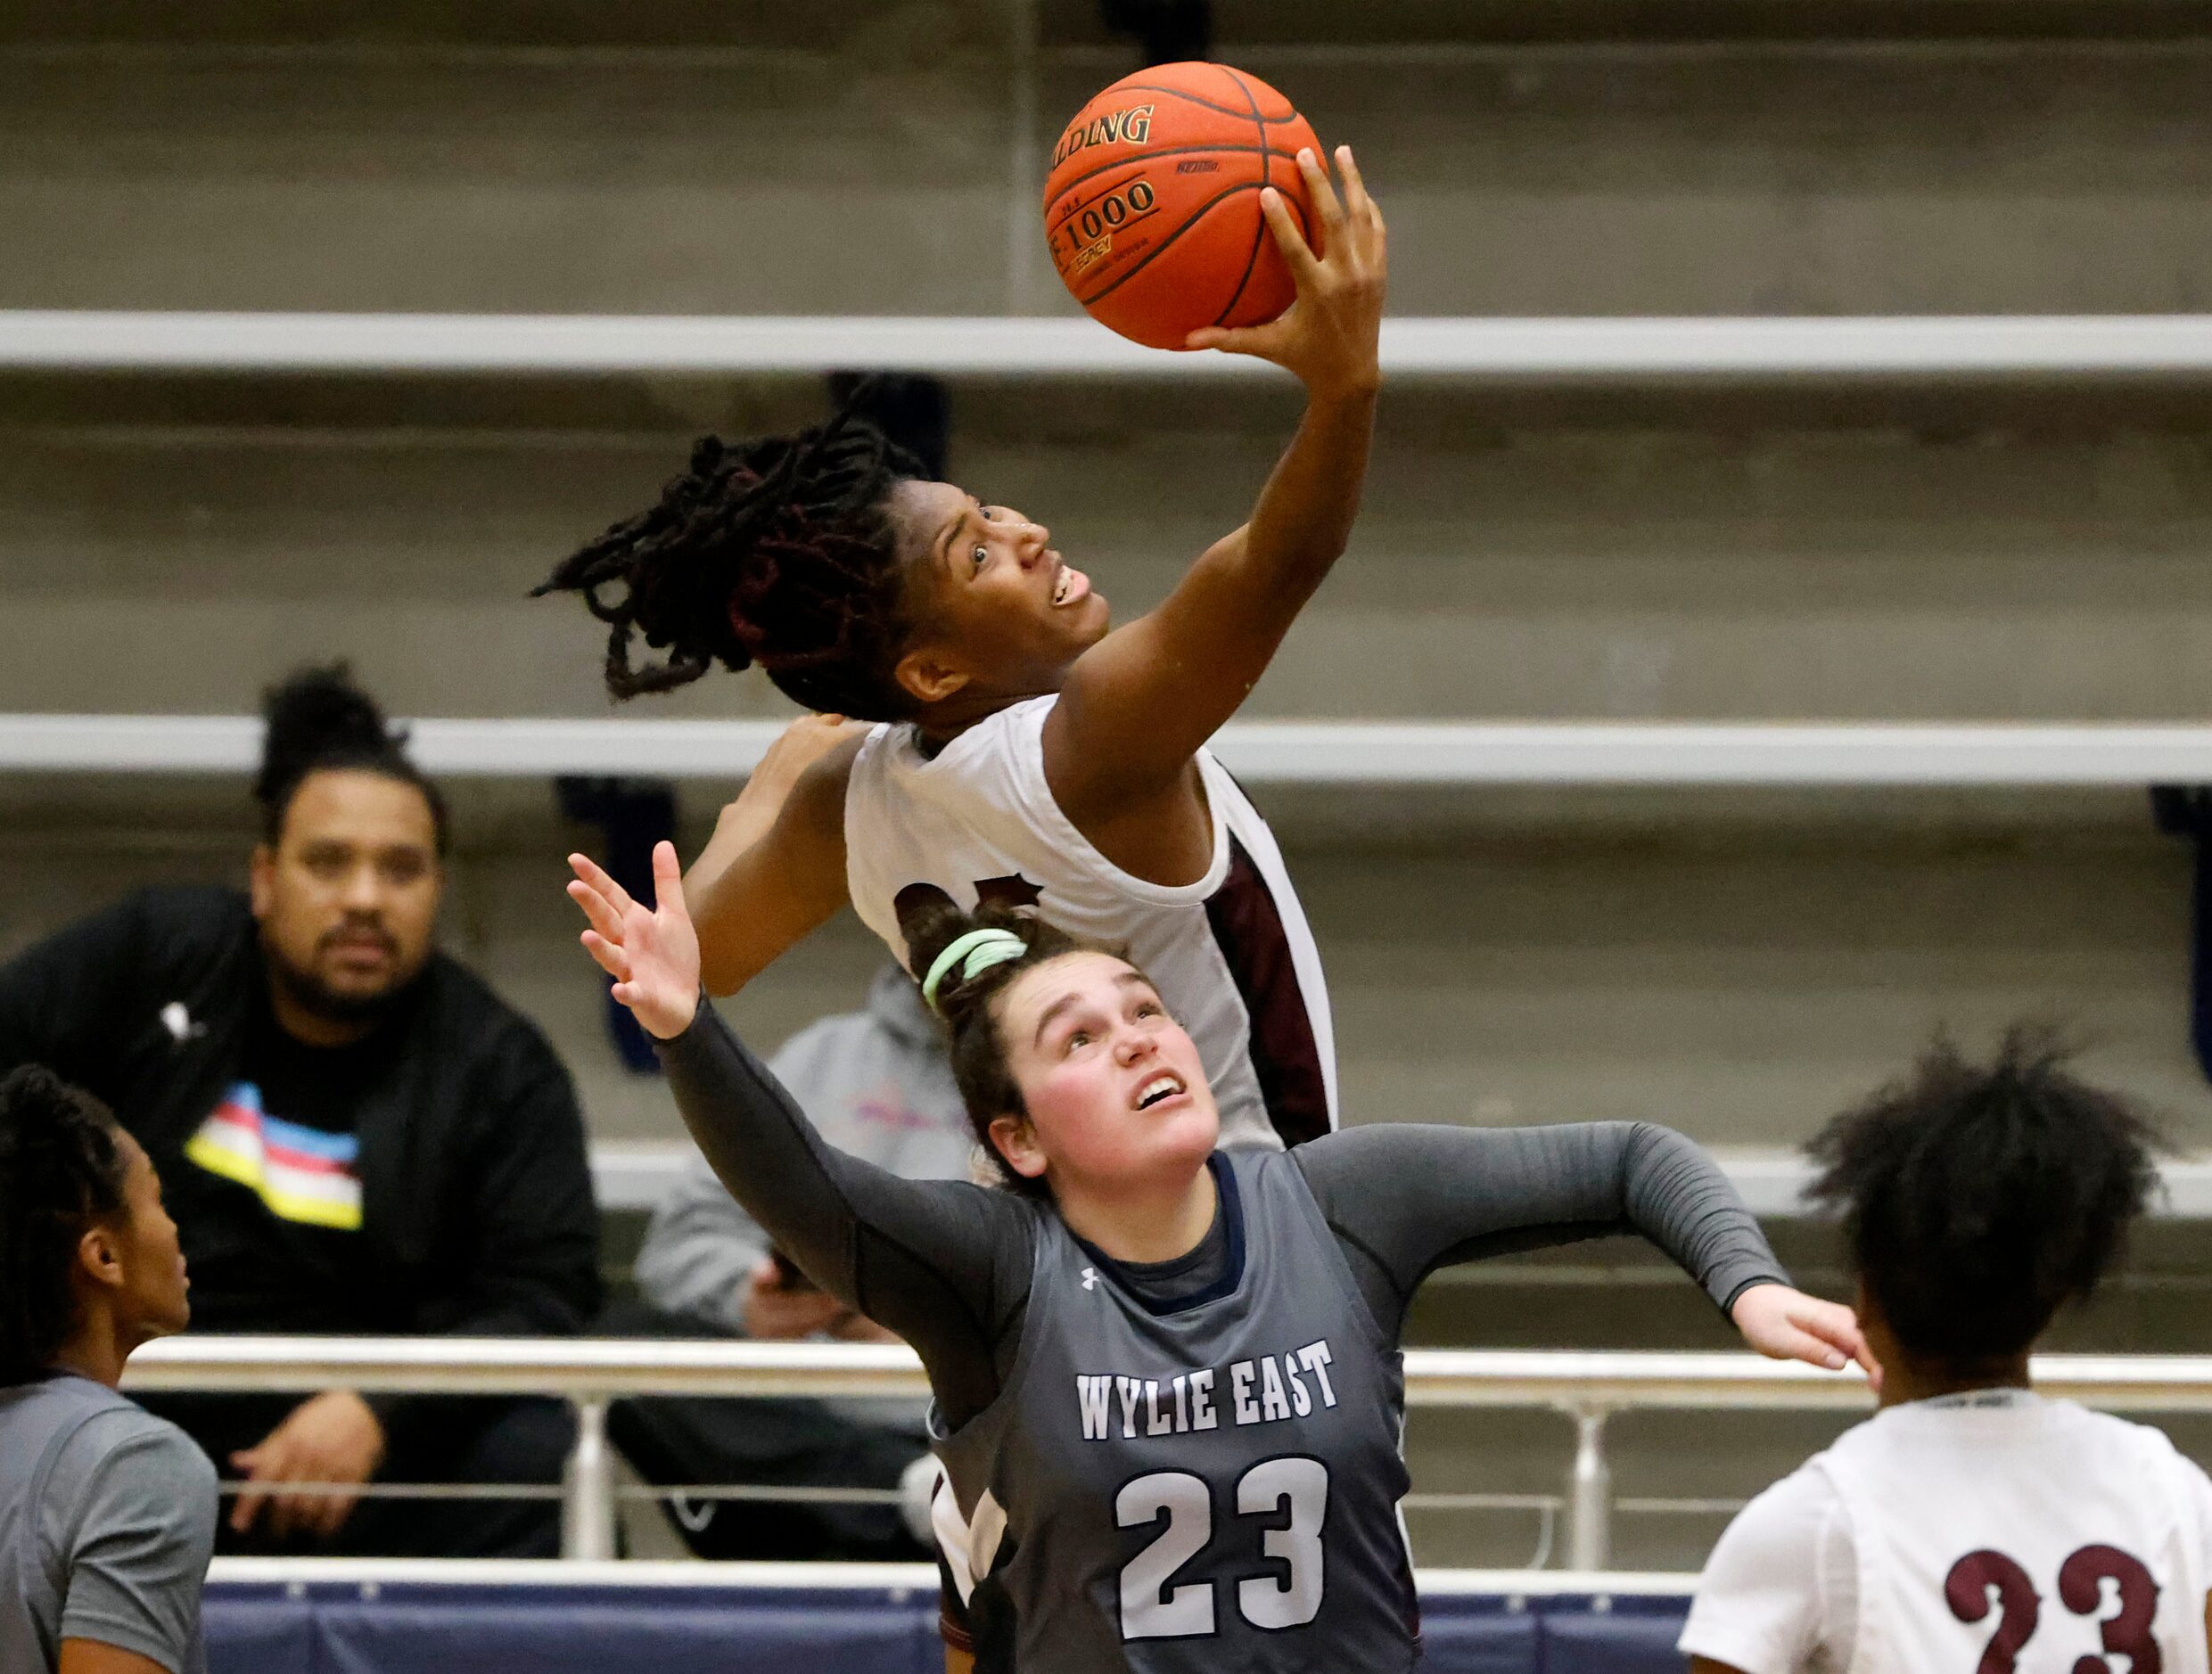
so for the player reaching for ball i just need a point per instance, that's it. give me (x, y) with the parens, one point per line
(1167, 1380)
(1021, 752)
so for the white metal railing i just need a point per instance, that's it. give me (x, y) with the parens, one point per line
(1588, 1388)
(1595, 753)
(1549, 350)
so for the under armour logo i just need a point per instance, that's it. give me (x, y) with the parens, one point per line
(1090, 1278)
(178, 1021)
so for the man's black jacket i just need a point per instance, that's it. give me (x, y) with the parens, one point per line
(476, 1200)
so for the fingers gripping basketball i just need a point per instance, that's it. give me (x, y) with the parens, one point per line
(1152, 210)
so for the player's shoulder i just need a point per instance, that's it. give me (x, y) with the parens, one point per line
(2152, 1451)
(479, 1024)
(1000, 757)
(1798, 1516)
(1778, 1581)
(2085, 1432)
(1014, 732)
(115, 1444)
(187, 924)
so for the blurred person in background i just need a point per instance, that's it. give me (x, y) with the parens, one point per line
(877, 1084)
(107, 1513)
(357, 1136)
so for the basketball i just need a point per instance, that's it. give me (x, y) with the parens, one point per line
(1152, 208)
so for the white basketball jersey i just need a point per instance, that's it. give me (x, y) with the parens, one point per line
(1231, 953)
(2000, 1531)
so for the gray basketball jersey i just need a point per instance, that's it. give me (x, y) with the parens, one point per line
(1215, 1488)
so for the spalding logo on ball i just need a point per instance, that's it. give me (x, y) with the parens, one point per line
(1152, 211)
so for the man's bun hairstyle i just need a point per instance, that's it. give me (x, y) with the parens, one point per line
(62, 1169)
(318, 720)
(931, 923)
(779, 551)
(1978, 1200)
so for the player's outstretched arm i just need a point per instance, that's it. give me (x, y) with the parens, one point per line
(775, 868)
(1138, 704)
(1414, 1197)
(939, 1253)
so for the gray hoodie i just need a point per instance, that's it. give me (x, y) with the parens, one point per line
(875, 1083)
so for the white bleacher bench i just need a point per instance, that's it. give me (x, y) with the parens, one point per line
(1536, 350)
(1783, 754)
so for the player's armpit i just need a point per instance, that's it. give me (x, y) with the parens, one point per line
(91, 1656)
(782, 885)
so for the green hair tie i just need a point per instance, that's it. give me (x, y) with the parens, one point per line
(976, 950)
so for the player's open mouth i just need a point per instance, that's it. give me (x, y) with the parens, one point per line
(1072, 586)
(1158, 1090)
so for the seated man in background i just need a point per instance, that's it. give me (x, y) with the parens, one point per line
(355, 1134)
(107, 1514)
(1971, 1521)
(878, 1083)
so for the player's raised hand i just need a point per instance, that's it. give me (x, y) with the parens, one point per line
(651, 952)
(1328, 337)
(1786, 1325)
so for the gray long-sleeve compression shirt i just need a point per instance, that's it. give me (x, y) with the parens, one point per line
(947, 1264)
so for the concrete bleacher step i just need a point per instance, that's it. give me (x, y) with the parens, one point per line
(1747, 177)
(1669, 567)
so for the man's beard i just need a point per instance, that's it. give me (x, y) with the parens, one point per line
(312, 995)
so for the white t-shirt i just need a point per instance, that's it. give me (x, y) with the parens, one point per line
(1904, 1548)
(1230, 951)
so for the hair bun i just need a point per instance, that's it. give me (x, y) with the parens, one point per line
(928, 922)
(313, 714)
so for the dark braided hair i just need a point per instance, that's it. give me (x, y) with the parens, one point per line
(931, 923)
(318, 721)
(62, 1169)
(1977, 1202)
(779, 551)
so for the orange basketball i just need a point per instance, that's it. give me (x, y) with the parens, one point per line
(1152, 210)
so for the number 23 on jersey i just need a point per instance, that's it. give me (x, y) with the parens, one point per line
(1281, 1505)
(1983, 1581)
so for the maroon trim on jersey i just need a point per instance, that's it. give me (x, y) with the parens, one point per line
(1248, 928)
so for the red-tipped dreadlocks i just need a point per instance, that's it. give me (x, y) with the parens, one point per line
(778, 551)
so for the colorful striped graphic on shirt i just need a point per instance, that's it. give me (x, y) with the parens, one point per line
(301, 1174)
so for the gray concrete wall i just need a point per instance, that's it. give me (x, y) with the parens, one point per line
(875, 172)
(1544, 570)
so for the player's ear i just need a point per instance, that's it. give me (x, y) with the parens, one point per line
(99, 1258)
(1016, 1142)
(1873, 1325)
(261, 879)
(928, 675)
